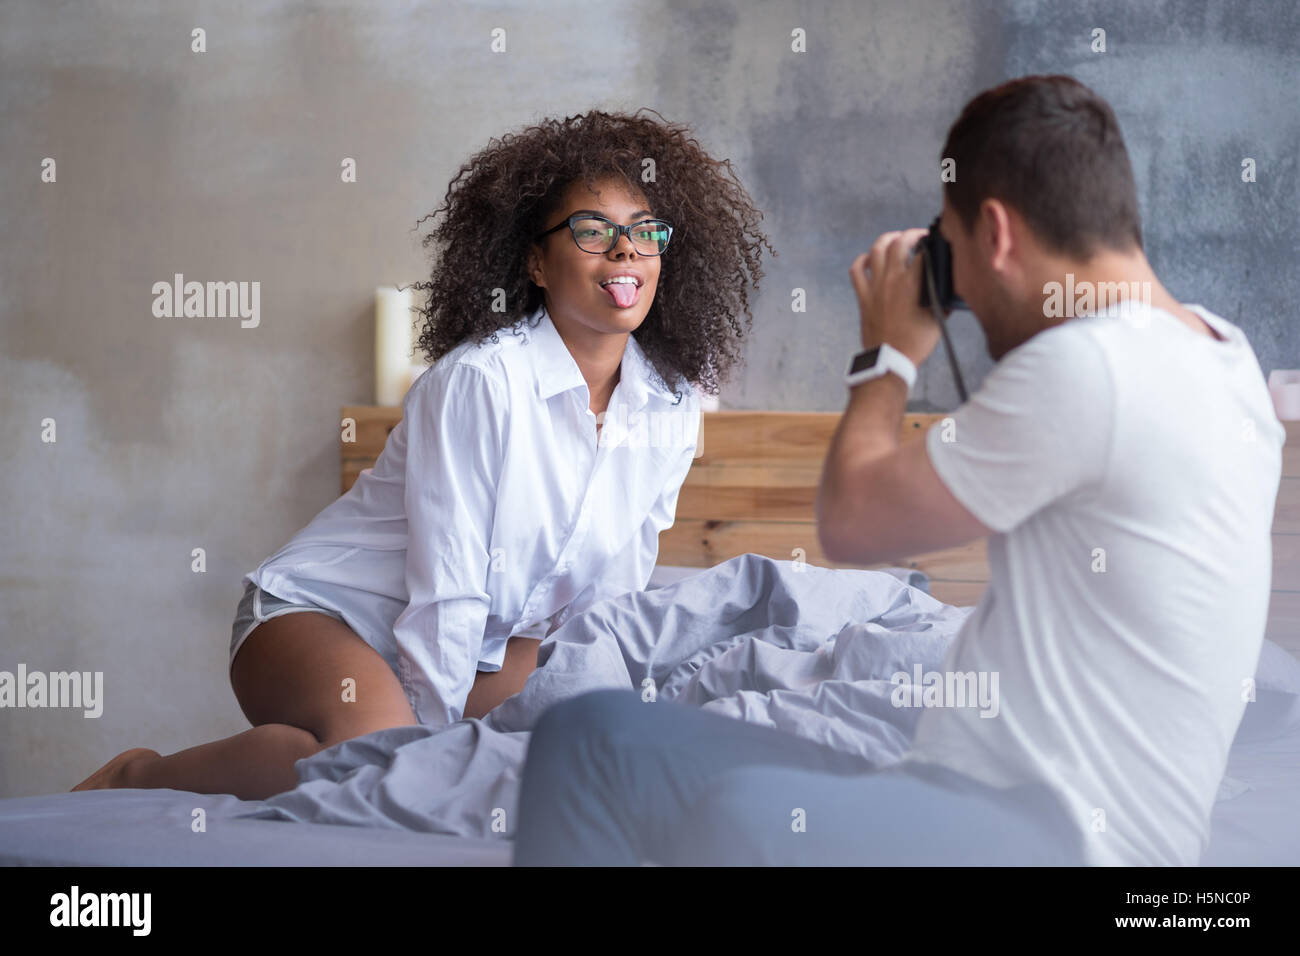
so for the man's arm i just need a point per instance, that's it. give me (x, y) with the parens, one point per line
(878, 500)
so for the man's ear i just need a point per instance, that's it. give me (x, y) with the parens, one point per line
(995, 226)
(534, 266)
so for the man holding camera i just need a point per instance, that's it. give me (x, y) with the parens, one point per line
(1122, 458)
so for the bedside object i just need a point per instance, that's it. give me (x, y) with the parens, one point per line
(1284, 385)
(393, 333)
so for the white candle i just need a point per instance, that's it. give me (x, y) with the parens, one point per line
(393, 333)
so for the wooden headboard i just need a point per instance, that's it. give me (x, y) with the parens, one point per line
(754, 484)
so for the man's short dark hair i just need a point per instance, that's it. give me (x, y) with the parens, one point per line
(1051, 148)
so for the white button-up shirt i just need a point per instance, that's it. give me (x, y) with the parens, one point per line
(495, 511)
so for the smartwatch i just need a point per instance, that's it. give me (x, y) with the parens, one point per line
(873, 363)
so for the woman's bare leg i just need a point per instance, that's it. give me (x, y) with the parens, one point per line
(288, 677)
(253, 765)
(306, 681)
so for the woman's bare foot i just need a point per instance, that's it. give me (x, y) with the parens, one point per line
(113, 774)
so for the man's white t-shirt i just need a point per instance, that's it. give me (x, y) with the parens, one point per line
(1129, 467)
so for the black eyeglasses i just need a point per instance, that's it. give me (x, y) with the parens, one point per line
(598, 235)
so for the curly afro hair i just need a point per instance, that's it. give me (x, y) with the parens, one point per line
(501, 197)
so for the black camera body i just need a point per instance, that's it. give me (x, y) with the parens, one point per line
(938, 255)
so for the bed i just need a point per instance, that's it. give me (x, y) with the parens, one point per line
(744, 528)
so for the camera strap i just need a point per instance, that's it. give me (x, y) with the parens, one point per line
(943, 328)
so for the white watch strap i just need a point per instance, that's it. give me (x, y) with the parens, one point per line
(889, 359)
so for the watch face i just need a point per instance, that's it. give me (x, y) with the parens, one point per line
(864, 360)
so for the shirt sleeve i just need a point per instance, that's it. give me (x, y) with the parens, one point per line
(632, 568)
(1038, 429)
(454, 448)
(663, 514)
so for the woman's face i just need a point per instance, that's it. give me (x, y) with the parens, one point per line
(576, 284)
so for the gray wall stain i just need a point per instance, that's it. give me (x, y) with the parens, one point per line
(184, 433)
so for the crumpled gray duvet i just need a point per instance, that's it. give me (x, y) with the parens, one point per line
(785, 644)
(805, 649)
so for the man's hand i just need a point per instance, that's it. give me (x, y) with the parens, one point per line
(889, 291)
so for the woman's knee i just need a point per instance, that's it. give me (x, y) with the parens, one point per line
(289, 742)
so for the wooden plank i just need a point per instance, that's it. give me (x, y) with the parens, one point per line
(750, 492)
(748, 437)
(1291, 450)
(702, 544)
(374, 422)
(958, 593)
(788, 492)
(765, 466)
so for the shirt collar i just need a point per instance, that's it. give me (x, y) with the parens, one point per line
(557, 371)
(1221, 325)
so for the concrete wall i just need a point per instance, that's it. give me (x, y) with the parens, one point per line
(177, 434)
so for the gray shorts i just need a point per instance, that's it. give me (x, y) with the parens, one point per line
(257, 606)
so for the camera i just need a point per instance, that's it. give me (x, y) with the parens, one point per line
(938, 260)
(936, 256)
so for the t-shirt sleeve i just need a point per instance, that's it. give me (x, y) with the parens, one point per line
(454, 449)
(1038, 429)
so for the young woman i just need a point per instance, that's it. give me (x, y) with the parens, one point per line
(532, 471)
